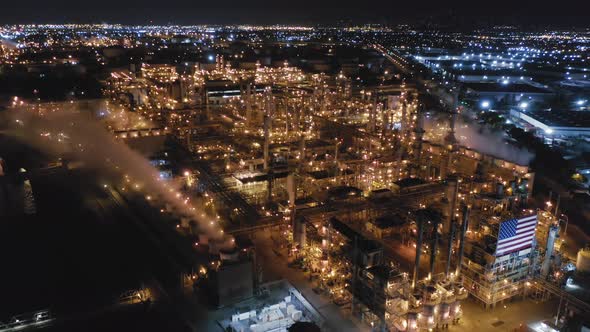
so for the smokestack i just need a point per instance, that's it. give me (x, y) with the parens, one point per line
(301, 129)
(270, 176)
(207, 107)
(297, 117)
(462, 238)
(336, 144)
(189, 140)
(403, 124)
(373, 115)
(302, 149)
(433, 247)
(452, 192)
(299, 232)
(417, 148)
(452, 146)
(553, 230)
(266, 140)
(450, 247)
(348, 89)
(420, 225)
(248, 98)
(291, 189)
(268, 105)
(288, 119)
(384, 120)
(323, 103)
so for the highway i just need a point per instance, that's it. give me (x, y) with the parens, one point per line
(432, 88)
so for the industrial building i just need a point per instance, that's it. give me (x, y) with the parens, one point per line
(344, 173)
(554, 124)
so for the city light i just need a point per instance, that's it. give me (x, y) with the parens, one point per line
(222, 154)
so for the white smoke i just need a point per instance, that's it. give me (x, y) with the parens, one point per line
(475, 136)
(70, 133)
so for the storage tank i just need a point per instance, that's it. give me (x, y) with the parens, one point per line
(444, 314)
(553, 233)
(583, 261)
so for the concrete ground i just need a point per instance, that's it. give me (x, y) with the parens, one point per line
(273, 259)
(506, 317)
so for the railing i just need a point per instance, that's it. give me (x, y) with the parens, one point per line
(557, 291)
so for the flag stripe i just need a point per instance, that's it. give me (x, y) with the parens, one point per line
(526, 224)
(516, 238)
(511, 250)
(526, 229)
(512, 244)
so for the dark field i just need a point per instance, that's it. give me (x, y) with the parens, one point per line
(76, 255)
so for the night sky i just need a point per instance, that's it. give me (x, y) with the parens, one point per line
(537, 13)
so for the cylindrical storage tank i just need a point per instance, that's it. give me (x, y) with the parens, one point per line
(444, 312)
(412, 322)
(583, 261)
(427, 317)
(553, 233)
(455, 310)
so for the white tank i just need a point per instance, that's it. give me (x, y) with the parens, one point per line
(583, 261)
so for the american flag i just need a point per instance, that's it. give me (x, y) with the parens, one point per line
(516, 234)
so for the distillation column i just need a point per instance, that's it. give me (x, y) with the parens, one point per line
(464, 226)
(420, 224)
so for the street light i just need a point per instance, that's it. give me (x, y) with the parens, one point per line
(549, 205)
(567, 220)
(485, 104)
